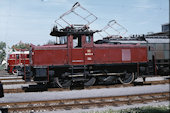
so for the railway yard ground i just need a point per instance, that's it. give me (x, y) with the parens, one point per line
(154, 92)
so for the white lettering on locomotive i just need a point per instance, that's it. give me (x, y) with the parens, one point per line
(77, 60)
(88, 54)
(89, 58)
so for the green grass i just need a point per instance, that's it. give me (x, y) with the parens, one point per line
(148, 109)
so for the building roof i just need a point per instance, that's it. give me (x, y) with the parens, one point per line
(160, 34)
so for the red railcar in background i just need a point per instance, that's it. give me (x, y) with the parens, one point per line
(16, 60)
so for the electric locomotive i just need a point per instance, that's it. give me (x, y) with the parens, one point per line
(76, 59)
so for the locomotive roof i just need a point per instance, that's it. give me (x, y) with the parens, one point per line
(155, 40)
(147, 39)
(71, 31)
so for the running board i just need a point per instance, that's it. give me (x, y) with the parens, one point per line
(108, 74)
(99, 74)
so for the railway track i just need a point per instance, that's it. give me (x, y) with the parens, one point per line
(15, 82)
(10, 78)
(7, 75)
(84, 103)
(19, 90)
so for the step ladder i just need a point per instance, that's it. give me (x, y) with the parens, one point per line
(77, 68)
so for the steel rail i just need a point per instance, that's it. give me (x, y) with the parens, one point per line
(85, 102)
(10, 79)
(18, 90)
(15, 82)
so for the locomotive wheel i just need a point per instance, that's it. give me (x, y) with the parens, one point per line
(127, 78)
(15, 72)
(62, 83)
(90, 82)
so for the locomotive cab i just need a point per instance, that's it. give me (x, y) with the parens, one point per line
(78, 40)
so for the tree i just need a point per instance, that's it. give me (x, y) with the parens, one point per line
(2, 51)
(20, 46)
(50, 42)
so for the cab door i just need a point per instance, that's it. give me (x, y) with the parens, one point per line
(77, 52)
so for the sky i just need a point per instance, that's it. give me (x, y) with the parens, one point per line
(31, 21)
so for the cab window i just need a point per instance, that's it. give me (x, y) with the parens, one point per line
(88, 39)
(17, 56)
(77, 43)
(28, 56)
(62, 40)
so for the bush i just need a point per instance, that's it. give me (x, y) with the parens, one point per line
(148, 109)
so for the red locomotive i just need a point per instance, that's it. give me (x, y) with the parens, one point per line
(76, 59)
(16, 60)
(87, 62)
